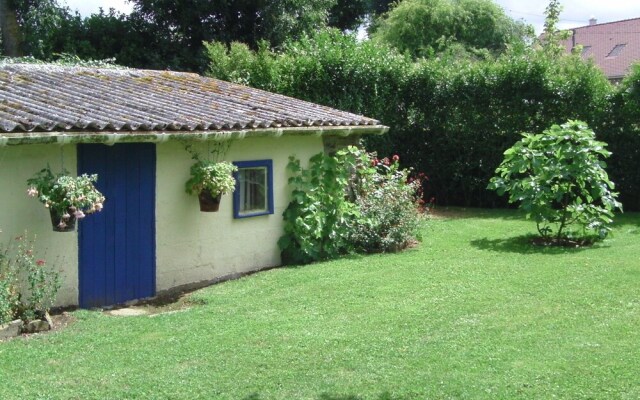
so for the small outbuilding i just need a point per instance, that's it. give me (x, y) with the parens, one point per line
(131, 128)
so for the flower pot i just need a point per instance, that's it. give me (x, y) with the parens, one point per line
(208, 203)
(69, 224)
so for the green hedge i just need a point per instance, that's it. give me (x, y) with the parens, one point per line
(450, 119)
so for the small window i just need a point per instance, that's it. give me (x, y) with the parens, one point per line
(254, 189)
(615, 52)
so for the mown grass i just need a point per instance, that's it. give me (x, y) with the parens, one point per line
(473, 312)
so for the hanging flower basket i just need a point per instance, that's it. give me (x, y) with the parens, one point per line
(68, 198)
(208, 203)
(63, 223)
(209, 181)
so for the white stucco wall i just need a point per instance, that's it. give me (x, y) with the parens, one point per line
(19, 212)
(191, 246)
(194, 246)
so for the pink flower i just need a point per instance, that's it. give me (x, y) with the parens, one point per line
(385, 161)
(395, 158)
(62, 225)
(79, 214)
(32, 192)
(40, 262)
(66, 216)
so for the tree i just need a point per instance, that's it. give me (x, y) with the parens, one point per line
(349, 14)
(427, 27)
(552, 38)
(189, 23)
(11, 35)
(558, 178)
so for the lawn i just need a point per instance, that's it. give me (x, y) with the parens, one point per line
(472, 312)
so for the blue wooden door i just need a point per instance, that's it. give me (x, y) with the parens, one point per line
(117, 245)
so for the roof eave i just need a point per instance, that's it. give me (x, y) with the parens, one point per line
(112, 137)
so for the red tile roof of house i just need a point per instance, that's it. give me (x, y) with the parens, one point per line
(600, 40)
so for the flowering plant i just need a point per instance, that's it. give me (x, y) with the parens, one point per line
(210, 175)
(213, 177)
(66, 196)
(389, 200)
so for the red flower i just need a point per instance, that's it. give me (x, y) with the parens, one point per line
(395, 158)
(40, 262)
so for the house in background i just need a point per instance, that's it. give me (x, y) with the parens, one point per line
(613, 46)
(131, 127)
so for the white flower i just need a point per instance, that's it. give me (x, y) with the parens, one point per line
(32, 192)
(97, 206)
(79, 214)
(62, 225)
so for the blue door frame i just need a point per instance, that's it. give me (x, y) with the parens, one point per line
(117, 246)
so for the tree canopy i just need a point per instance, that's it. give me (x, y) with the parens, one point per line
(423, 28)
(169, 33)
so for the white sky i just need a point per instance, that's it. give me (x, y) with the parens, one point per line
(575, 12)
(88, 7)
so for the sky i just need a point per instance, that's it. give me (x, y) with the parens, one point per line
(575, 12)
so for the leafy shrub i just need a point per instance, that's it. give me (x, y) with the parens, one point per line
(9, 296)
(386, 199)
(318, 218)
(558, 177)
(27, 286)
(348, 202)
(453, 117)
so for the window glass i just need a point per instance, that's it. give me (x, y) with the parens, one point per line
(252, 184)
(253, 195)
(615, 52)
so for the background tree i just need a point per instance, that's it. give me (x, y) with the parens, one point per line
(168, 33)
(349, 14)
(423, 28)
(11, 35)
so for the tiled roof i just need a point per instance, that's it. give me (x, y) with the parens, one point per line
(599, 40)
(51, 98)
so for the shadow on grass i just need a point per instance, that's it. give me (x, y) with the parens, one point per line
(628, 220)
(476, 213)
(523, 245)
(328, 396)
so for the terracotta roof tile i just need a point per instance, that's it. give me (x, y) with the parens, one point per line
(602, 39)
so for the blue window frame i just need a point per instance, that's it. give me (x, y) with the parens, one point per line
(253, 195)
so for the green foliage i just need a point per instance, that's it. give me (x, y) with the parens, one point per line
(386, 198)
(348, 202)
(619, 126)
(559, 179)
(451, 118)
(210, 174)
(9, 289)
(64, 194)
(318, 219)
(214, 177)
(27, 286)
(424, 28)
(552, 39)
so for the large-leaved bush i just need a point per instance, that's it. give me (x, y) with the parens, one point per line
(558, 177)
